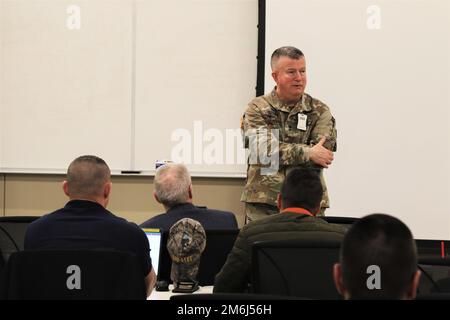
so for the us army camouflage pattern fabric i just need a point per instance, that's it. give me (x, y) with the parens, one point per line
(256, 211)
(186, 242)
(266, 113)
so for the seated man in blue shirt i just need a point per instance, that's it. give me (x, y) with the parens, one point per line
(173, 189)
(84, 222)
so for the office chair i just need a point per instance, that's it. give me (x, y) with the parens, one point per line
(218, 245)
(434, 282)
(435, 278)
(12, 235)
(300, 267)
(72, 275)
(345, 222)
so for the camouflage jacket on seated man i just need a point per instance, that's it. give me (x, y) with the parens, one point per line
(289, 132)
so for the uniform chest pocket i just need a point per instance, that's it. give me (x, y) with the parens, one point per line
(295, 135)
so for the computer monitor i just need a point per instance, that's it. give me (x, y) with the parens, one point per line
(154, 240)
(218, 245)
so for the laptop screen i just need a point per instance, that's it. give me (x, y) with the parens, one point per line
(154, 240)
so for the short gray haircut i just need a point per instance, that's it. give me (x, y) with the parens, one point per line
(172, 182)
(86, 176)
(290, 52)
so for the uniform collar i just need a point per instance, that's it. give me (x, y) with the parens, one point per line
(301, 106)
(297, 211)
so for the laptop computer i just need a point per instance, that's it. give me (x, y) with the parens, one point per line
(154, 240)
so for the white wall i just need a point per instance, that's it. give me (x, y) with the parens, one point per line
(389, 90)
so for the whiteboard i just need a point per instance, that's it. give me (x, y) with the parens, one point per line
(126, 83)
(195, 74)
(389, 90)
(65, 92)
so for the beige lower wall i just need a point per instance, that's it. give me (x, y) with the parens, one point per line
(131, 197)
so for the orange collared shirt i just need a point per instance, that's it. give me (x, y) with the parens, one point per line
(298, 211)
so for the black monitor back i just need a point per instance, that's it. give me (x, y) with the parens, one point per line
(218, 245)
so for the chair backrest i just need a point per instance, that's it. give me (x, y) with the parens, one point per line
(345, 222)
(12, 234)
(435, 276)
(218, 245)
(72, 274)
(300, 267)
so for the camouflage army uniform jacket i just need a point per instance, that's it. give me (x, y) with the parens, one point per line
(236, 272)
(291, 147)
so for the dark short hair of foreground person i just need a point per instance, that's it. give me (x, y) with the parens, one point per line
(378, 260)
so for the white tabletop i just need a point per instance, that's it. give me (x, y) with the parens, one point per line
(165, 295)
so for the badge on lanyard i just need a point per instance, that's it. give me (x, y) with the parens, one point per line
(301, 124)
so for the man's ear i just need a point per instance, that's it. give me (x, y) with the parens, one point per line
(275, 76)
(338, 281)
(156, 197)
(107, 190)
(190, 191)
(411, 294)
(65, 187)
(279, 205)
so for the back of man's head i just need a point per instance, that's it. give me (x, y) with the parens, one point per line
(87, 176)
(302, 189)
(287, 51)
(378, 259)
(172, 184)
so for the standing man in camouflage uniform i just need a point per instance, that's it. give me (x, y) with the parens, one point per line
(291, 127)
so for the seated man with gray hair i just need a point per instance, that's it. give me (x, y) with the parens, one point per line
(173, 189)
